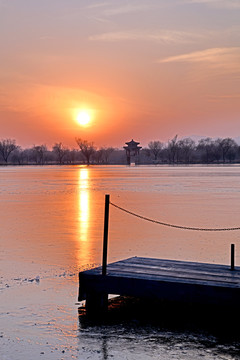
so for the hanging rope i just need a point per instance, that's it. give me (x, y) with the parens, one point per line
(171, 225)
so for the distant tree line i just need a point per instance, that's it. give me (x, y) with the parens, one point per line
(11, 153)
(187, 151)
(175, 151)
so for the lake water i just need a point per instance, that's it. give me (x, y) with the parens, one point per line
(52, 227)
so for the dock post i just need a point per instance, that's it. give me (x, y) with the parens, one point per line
(96, 304)
(105, 235)
(232, 256)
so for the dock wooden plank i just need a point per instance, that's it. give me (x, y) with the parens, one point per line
(156, 263)
(171, 278)
(212, 268)
(192, 267)
(179, 270)
(164, 279)
(177, 264)
(185, 272)
(173, 275)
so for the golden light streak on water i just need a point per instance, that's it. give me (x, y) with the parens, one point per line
(84, 208)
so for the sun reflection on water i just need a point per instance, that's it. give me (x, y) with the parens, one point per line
(84, 209)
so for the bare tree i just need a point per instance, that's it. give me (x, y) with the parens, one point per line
(207, 146)
(226, 145)
(39, 153)
(106, 153)
(60, 152)
(186, 148)
(98, 156)
(232, 153)
(172, 149)
(7, 146)
(87, 148)
(72, 156)
(155, 148)
(19, 156)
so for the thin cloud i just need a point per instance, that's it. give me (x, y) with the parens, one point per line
(98, 5)
(110, 9)
(215, 55)
(223, 98)
(162, 36)
(106, 10)
(231, 97)
(126, 9)
(225, 4)
(166, 36)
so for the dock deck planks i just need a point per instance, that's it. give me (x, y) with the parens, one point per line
(162, 279)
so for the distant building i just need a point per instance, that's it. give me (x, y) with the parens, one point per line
(132, 151)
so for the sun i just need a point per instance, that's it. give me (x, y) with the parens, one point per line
(83, 118)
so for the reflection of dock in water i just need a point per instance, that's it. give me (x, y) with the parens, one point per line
(167, 280)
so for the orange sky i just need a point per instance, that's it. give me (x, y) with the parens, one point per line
(146, 69)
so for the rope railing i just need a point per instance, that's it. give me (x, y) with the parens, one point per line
(172, 225)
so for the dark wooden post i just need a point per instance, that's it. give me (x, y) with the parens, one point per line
(105, 235)
(232, 256)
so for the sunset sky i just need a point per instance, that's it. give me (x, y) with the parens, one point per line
(144, 69)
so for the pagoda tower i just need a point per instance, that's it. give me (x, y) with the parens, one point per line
(132, 151)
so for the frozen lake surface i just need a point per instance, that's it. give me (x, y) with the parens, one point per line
(51, 228)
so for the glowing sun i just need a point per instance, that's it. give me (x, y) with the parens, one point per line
(83, 118)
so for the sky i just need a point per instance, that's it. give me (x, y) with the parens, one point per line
(141, 69)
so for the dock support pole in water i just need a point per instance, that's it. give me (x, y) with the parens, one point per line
(105, 235)
(232, 256)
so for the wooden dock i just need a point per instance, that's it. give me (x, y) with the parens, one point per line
(167, 280)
